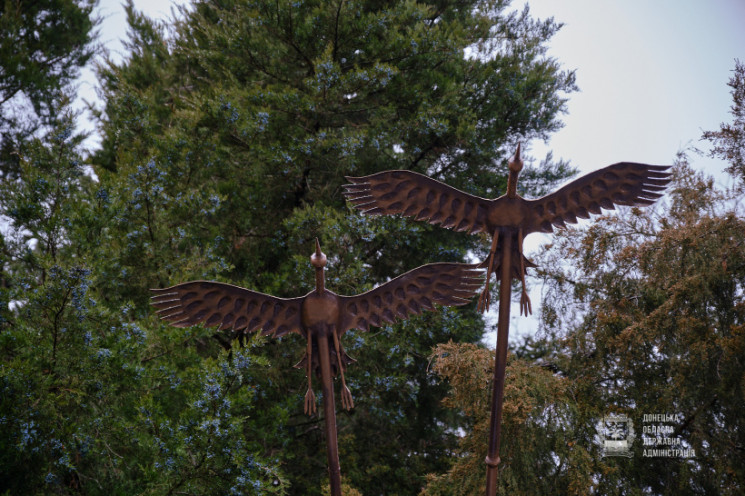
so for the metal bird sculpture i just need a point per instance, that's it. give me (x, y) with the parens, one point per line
(508, 219)
(411, 194)
(321, 317)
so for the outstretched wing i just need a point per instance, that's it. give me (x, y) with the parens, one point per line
(449, 284)
(228, 307)
(625, 183)
(414, 195)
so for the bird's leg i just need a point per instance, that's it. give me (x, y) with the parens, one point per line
(346, 395)
(485, 294)
(310, 397)
(524, 299)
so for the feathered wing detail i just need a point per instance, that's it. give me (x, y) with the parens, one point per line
(625, 183)
(448, 284)
(226, 306)
(414, 195)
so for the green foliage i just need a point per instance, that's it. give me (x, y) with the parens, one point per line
(346, 490)
(226, 137)
(659, 331)
(270, 105)
(642, 314)
(538, 450)
(729, 140)
(195, 439)
(94, 399)
(42, 45)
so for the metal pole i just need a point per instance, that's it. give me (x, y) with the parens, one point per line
(329, 413)
(500, 363)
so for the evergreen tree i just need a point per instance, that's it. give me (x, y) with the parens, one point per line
(42, 45)
(645, 309)
(539, 449)
(226, 139)
(643, 314)
(729, 139)
(87, 402)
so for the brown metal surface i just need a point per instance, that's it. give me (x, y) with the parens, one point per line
(508, 219)
(500, 365)
(414, 195)
(321, 317)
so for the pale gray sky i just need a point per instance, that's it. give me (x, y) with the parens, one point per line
(652, 76)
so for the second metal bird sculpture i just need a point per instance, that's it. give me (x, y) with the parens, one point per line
(321, 317)
(508, 219)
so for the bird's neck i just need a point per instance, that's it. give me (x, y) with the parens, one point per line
(512, 184)
(320, 283)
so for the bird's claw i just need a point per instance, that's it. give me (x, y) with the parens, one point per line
(346, 398)
(310, 402)
(484, 300)
(525, 306)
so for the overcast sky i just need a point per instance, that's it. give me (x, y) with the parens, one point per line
(652, 76)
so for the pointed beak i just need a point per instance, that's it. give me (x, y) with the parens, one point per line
(318, 259)
(516, 163)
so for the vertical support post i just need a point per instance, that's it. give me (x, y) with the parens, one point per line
(329, 414)
(500, 363)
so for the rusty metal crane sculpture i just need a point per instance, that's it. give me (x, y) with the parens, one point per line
(508, 219)
(321, 317)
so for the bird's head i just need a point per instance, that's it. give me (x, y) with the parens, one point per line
(318, 259)
(516, 163)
